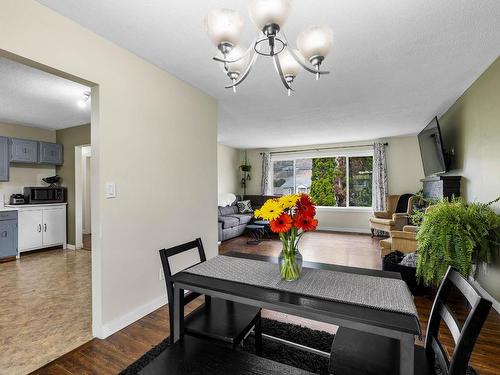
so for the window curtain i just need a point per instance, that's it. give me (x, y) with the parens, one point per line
(379, 185)
(265, 184)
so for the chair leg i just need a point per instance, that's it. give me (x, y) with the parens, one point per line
(373, 231)
(258, 336)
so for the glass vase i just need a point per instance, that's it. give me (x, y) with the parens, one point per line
(290, 262)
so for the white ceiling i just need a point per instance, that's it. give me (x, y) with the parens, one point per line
(30, 96)
(395, 63)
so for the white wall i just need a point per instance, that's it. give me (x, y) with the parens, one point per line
(404, 169)
(22, 175)
(228, 173)
(146, 138)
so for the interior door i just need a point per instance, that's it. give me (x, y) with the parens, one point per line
(30, 229)
(54, 226)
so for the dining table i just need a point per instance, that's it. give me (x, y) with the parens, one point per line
(356, 298)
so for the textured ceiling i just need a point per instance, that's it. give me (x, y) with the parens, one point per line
(30, 96)
(395, 63)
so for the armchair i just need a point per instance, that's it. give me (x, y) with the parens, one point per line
(402, 240)
(390, 219)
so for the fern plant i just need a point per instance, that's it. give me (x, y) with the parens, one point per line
(457, 234)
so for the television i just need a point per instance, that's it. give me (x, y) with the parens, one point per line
(431, 149)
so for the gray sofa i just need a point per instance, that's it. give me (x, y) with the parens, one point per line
(231, 223)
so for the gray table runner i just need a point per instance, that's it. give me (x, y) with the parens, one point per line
(362, 290)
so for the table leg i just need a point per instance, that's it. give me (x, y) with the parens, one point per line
(178, 313)
(406, 355)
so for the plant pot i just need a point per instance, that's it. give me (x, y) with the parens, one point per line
(290, 263)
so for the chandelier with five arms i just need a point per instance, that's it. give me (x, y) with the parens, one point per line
(224, 27)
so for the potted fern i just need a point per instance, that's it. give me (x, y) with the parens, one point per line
(456, 234)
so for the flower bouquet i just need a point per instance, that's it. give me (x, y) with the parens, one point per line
(290, 216)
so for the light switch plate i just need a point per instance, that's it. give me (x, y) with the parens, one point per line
(110, 190)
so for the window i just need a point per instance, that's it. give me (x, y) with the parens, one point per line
(335, 181)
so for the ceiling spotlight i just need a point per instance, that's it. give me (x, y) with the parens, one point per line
(82, 103)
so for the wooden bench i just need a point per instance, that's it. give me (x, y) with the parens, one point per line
(192, 355)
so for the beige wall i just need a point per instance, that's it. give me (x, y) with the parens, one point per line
(404, 169)
(472, 128)
(228, 173)
(69, 138)
(147, 139)
(22, 175)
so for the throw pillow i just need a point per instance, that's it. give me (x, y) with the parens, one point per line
(245, 207)
(410, 260)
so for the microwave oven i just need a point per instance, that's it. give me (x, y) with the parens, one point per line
(38, 194)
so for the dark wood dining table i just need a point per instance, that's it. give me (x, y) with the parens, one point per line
(400, 326)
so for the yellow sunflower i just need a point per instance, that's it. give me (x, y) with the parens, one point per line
(288, 201)
(271, 210)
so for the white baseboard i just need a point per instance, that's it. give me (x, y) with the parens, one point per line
(345, 229)
(130, 317)
(495, 303)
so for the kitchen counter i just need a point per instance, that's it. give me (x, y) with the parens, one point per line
(18, 206)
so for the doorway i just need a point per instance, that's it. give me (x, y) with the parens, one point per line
(83, 197)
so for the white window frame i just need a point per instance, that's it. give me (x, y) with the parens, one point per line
(347, 153)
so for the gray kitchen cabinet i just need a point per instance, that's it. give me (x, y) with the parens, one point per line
(23, 150)
(50, 153)
(4, 159)
(8, 234)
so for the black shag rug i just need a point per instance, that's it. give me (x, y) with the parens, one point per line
(274, 351)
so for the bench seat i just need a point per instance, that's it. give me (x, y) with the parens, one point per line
(192, 355)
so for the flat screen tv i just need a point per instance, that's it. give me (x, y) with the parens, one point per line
(431, 149)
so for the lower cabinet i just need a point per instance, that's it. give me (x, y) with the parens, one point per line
(41, 227)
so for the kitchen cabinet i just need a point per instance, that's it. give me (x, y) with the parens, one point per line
(8, 234)
(42, 226)
(50, 153)
(23, 151)
(4, 159)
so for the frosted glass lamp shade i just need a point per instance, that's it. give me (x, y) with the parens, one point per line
(315, 41)
(224, 26)
(239, 66)
(289, 66)
(265, 12)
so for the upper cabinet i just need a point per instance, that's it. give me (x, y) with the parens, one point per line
(23, 151)
(16, 150)
(50, 153)
(4, 159)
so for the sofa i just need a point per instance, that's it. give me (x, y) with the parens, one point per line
(231, 223)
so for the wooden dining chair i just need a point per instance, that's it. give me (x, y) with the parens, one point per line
(216, 319)
(355, 352)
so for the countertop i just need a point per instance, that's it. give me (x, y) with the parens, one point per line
(11, 207)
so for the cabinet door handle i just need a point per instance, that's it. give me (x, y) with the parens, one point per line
(4, 233)
(39, 228)
(45, 227)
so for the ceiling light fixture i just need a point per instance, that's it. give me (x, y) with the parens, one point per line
(82, 103)
(224, 27)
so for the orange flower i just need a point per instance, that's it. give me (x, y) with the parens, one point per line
(282, 224)
(306, 223)
(305, 206)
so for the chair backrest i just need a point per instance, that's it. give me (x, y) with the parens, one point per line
(464, 337)
(165, 255)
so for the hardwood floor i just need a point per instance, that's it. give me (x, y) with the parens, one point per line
(87, 241)
(45, 308)
(113, 354)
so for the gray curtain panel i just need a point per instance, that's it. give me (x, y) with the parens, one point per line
(265, 184)
(379, 187)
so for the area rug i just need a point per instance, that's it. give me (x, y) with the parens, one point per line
(274, 351)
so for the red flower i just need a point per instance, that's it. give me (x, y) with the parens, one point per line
(306, 223)
(282, 224)
(305, 206)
